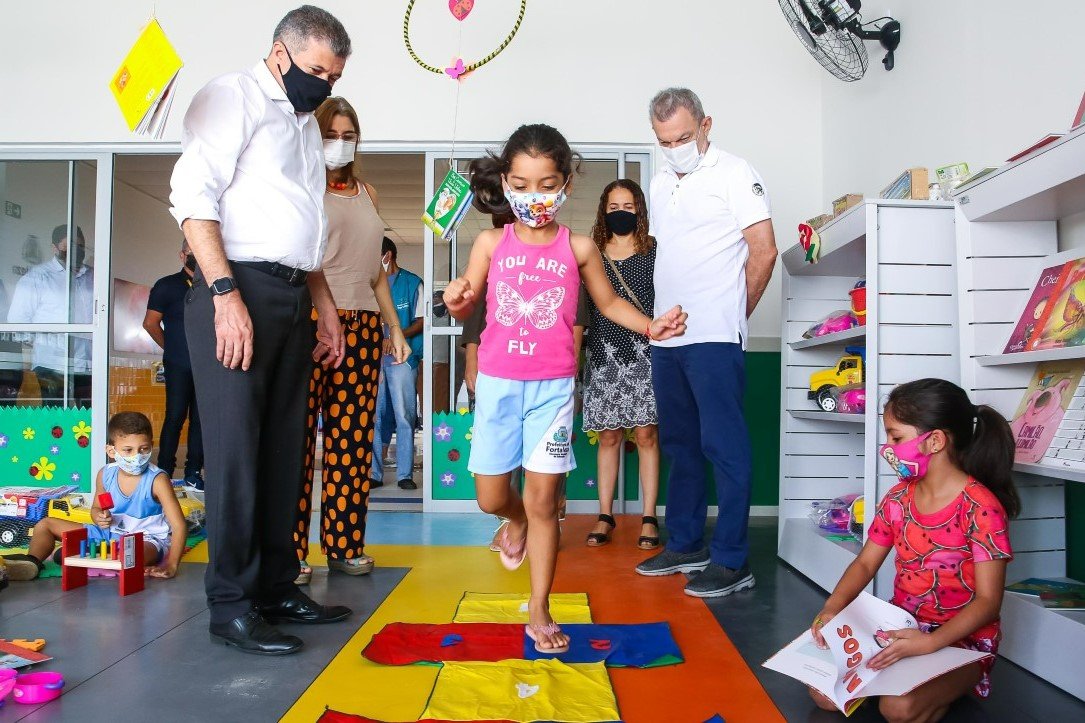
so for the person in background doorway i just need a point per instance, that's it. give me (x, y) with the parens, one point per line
(398, 381)
(346, 398)
(248, 192)
(165, 322)
(715, 254)
(619, 392)
(59, 291)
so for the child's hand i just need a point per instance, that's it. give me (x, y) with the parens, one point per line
(669, 325)
(163, 571)
(819, 622)
(902, 644)
(103, 518)
(458, 294)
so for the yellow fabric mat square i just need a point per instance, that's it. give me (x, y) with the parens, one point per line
(481, 607)
(522, 690)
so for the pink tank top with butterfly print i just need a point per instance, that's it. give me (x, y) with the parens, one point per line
(531, 298)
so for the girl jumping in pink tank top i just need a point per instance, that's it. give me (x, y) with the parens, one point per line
(530, 272)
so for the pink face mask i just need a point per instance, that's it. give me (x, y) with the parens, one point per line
(906, 459)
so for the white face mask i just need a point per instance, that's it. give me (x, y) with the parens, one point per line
(385, 265)
(683, 158)
(339, 153)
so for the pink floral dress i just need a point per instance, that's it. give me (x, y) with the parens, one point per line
(937, 555)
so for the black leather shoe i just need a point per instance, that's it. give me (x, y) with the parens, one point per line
(250, 633)
(407, 484)
(300, 608)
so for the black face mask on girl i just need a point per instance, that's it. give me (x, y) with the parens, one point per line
(190, 262)
(621, 223)
(304, 91)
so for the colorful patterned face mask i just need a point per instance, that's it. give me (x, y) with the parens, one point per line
(535, 209)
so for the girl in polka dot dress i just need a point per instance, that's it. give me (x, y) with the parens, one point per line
(344, 399)
(947, 521)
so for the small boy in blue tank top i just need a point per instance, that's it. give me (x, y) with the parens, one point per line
(143, 501)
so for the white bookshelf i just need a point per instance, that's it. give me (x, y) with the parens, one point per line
(1007, 231)
(905, 251)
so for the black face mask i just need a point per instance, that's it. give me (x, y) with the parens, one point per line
(304, 91)
(190, 263)
(621, 223)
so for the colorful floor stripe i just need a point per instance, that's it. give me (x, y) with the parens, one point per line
(713, 680)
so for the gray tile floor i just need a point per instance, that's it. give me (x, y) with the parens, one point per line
(148, 655)
(763, 620)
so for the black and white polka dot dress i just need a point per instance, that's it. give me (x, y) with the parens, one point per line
(619, 389)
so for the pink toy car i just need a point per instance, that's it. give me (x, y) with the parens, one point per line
(831, 324)
(851, 399)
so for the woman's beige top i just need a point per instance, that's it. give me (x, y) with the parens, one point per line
(352, 261)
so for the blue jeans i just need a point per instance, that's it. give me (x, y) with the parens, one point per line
(397, 385)
(699, 391)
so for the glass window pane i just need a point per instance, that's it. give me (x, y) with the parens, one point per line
(580, 210)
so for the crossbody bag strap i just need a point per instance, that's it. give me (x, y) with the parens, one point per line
(621, 280)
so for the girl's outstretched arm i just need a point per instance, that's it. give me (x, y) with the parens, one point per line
(858, 575)
(671, 323)
(463, 293)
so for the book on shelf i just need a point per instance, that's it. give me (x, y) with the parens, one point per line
(1034, 586)
(1062, 319)
(144, 84)
(1063, 600)
(1046, 401)
(1042, 292)
(1046, 140)
(1067, 448)
(854, 636)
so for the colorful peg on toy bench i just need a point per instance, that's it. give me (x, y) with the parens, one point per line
(82, 548)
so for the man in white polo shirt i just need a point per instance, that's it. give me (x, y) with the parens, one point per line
(715, 254)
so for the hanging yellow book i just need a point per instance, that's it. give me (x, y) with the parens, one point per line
(143, 85)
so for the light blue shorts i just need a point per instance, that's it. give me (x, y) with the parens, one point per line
(522, 424)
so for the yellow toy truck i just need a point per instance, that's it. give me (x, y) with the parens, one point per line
(848, 370)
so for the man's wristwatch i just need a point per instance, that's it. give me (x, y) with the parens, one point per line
(223, 286)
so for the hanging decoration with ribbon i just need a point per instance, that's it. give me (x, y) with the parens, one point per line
(458, 69)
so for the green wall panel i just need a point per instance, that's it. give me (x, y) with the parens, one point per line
(452, 444)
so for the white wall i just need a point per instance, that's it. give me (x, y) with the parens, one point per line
(975, 81)
(587, 67)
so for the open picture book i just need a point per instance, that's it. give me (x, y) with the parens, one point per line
(855, 636)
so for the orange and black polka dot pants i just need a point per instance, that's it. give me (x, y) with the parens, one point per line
(346, 399)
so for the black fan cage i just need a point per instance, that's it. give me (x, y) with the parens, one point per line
(839, 51)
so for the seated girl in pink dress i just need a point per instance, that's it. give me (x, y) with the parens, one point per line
(947, 520)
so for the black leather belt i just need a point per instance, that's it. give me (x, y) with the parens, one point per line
(292, 276)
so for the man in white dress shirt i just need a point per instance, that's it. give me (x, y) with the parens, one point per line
(58, 292)
(715, 254)
(248, 192)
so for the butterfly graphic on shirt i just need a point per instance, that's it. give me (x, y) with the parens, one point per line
(541, 310)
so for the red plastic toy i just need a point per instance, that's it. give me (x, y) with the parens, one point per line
(105, 501)
(129, 562)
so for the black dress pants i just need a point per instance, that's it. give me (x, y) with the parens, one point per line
(254, 440)
(180, 405)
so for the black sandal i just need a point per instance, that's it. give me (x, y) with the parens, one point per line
(646, 542)
(598, 539)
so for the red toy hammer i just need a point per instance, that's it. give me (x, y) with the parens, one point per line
(105, 501)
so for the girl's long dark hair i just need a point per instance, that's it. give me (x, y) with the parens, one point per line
(535, 140)
(980, 438)
(600, 234)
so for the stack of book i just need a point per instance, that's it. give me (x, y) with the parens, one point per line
(1056, 594)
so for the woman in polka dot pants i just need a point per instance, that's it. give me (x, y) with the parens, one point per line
(343, 400)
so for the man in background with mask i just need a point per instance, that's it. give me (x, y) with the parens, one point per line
(165, 322)
(59, 291)
(248, 192)
(397, 395)
(715, 253)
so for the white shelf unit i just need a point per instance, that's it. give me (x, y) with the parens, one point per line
(1007, 231)
(905, 251)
